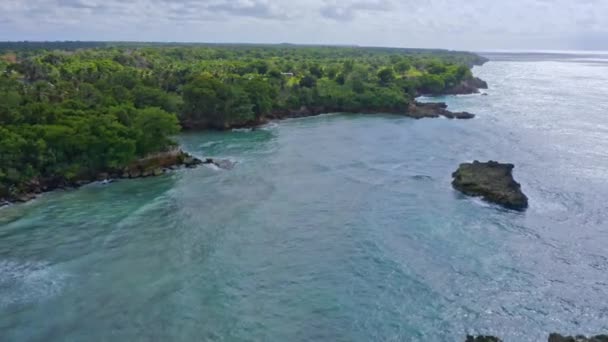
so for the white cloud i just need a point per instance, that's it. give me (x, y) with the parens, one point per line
(471, 24)
(348, 9)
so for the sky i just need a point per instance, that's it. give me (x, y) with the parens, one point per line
(478, 25)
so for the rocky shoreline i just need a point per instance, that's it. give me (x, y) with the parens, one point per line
(415, 110)
(420, 110)
(150, 166)
(467, 87)
(160, 163)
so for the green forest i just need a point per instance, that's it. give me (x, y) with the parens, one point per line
(70, 110)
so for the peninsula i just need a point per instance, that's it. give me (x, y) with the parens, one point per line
(76, 112)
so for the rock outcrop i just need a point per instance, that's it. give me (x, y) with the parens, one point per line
(157, 164)
(492, 181)
(468, 86)
(560, 338)
(419, 110)
(552, 338)
(221, 163)
(482, 339)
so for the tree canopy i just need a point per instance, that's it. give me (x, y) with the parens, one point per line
(72, 109)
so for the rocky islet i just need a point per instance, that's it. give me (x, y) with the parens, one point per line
(492, 181)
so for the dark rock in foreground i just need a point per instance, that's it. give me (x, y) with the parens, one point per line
(419, 110)
(482, 339)
(560, 338)
(492, 181)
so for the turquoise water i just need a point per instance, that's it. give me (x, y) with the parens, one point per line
(336, 228)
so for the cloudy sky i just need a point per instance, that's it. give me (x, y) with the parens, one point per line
(467, 24)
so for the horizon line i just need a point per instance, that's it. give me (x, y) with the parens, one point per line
(476, 50)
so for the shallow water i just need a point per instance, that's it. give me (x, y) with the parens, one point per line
(336, 228)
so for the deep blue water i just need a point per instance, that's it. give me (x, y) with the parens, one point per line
(336, 228)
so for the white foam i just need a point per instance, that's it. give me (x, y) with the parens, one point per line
(242, 130)
(481, 202)
(270, 126)
(209, 144)
(28, 282)
(213, 167)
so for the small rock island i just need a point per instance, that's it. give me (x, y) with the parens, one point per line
(492, 181)
(552, 338)
(560, 338)
(482, 339)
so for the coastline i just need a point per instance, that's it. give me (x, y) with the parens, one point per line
(151, 166)
(415, 110)
(162, 162)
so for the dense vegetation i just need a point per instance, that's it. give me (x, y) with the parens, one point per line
(70, 110)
